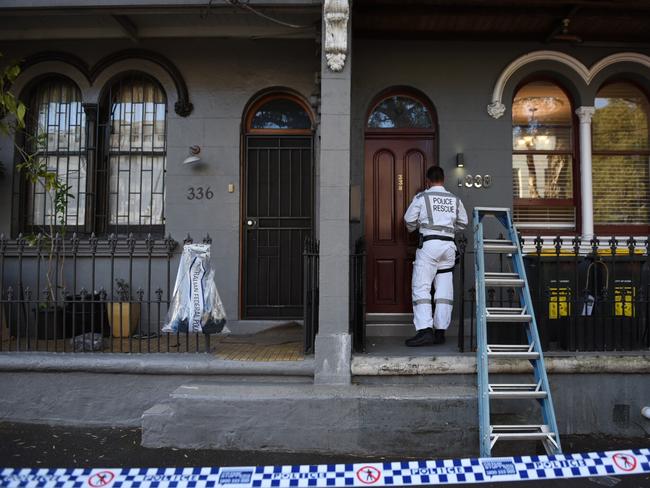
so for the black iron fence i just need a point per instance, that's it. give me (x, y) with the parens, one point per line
(310, 292)
(112, 294)
(588, 295)
(358, 296)
(90, 294)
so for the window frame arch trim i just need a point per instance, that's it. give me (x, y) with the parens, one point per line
(497, 108)
(183, 107)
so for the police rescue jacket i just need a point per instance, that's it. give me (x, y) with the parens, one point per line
(436, 212)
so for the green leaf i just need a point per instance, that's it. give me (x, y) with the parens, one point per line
(21, 110)
(12, 72)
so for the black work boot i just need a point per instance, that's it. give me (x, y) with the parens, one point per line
(423, 337)
(439, 336)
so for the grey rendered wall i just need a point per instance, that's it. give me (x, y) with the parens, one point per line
(458, 78)
(222, 76)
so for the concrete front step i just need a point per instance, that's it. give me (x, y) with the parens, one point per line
(358, 419)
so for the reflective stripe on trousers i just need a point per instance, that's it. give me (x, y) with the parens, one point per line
(434, 255)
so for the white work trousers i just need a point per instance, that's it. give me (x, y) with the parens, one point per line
(434, 255)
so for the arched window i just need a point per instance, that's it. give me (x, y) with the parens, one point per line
(543, 157)
(282, 112)
(56, 134)
(134, 119)
(621, 154)
(400, 112)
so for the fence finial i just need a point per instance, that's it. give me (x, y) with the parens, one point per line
(130, 242)
(92, 242)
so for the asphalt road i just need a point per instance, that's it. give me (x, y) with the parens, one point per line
(39, 446)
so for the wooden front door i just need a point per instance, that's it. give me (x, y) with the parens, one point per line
(395, 169)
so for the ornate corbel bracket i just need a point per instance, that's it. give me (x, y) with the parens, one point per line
(336, 14)
(496, 109)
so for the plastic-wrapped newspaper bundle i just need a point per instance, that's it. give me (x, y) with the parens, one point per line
(196, 306)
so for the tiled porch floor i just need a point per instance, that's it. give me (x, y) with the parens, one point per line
(282, 343)
(394, 346)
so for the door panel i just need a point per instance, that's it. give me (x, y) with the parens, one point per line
(386, 272)
(395, 172)
(278, 216)
(384, 176)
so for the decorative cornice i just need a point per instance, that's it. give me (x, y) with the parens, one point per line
(336, 14)
(182, 107)
(585, 114)
(587, 74)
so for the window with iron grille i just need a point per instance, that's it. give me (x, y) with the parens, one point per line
(132, 168)
(117, 184)
(55, 133)
(621, 157)
(543, 157)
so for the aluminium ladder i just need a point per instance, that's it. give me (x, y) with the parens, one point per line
(547, 431)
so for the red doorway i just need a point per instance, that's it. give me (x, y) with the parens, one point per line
(400, 144)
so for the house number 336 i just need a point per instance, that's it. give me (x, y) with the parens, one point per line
(199, 193)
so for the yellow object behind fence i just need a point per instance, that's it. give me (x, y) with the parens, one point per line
(624, 301)
(559, 304)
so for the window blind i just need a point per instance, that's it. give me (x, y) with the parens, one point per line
(621, 189)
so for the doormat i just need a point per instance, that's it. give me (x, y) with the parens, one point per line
(406, 473)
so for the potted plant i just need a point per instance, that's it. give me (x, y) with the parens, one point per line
(123, 315)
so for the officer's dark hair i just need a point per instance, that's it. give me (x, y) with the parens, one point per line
(435, 174)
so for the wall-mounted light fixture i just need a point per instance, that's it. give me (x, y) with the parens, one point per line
(460, 160)
(194, 155)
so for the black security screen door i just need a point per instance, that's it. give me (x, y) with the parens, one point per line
(278, 216)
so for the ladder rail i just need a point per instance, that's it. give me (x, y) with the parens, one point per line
(548, 412)
(481, 342)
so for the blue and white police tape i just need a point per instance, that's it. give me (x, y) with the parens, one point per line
(405, 473)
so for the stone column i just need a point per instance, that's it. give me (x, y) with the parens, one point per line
(586, 185)
(333, 342)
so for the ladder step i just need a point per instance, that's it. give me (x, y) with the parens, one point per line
(516, 390)
(503, 279)
(498, 246)
(492, 210)
(520, 432)
(512, 351)
(507, 314)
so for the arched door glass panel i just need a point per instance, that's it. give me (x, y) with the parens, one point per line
(400, 112)
(280, 114)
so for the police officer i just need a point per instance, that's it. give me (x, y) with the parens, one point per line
(437, 214)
